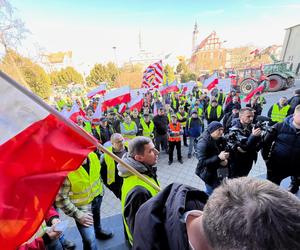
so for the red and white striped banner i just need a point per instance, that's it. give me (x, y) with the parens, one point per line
(100, 90)
(153, 75)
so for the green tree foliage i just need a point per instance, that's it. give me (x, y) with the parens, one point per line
(169, 74)
(103, 73)
(182, 68)
(186, 77)
(65, 77)
(27, 73)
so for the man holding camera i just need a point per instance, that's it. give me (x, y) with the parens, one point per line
(213, 160)
(245, 153)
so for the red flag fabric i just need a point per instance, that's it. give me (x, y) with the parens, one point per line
(173, 87)
(211, 82)
(153, 75)
(75, 111)
(116, 97)
(37, 150)
(136, 102)
(253, 92)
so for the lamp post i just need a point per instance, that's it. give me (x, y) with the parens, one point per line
(115, 54)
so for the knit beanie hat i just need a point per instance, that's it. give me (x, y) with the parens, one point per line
(213, 126)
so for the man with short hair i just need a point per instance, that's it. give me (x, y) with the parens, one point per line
(194, 130)
(161, 130)
(294, 101)
(109, 171)
(146, 127)
(242, 213)
(233, 103)
(214, 112)
(242, 158)
(142, 155)
(105, 130)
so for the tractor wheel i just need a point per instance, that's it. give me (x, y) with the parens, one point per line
(276, 83)
(247, 86)
(290, 82)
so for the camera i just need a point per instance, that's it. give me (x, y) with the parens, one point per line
(234, 139)
(263, 123)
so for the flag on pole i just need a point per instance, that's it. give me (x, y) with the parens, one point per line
(37, 151)
(253, 92)
(168, 88)
(187, 87)
(137, 101)
(153, 75)
(98, 111)
(74, 112)
(211, 82)
(122, 108)
(116, 97)
(100, 90)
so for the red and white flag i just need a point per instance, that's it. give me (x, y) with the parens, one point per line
(122, 108)
(74, 112)
(98, 111)
(168, 88)
(211, 82)
(116, 97)
(187, 87)
(37, 151)
(253, 92)
(153, 75)
(100, 90)
(137, 101)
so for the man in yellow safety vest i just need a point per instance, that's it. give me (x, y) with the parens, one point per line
(279, 111)
(128, 128)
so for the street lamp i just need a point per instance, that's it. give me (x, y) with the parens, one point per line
(115, 54)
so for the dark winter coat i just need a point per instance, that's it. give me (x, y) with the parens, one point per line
(294, 101)
(207, 151)
(160, 124)
(159, 223)
(285, 154)
(194, 127)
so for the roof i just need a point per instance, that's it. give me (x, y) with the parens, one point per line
(292, 26)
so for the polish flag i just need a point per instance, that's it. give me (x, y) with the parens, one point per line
(136, 102)
(122, 108)
(211, 82)
(100, 90)
(38, 148)
(98, 112)
(116, 97)
(75, 112)
(168, 88)
(187, 87)
(253, 92)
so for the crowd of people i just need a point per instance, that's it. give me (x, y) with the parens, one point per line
(233, 212)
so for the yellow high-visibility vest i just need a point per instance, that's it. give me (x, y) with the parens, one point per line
(179, 116)
(147, 130)
(219, 111)
(128, 184)
(129, 127)
(85, 187)
(278, 114)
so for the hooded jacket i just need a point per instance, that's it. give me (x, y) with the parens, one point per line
(160, 221)
(138, 195)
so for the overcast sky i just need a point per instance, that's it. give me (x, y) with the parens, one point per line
(91, 28)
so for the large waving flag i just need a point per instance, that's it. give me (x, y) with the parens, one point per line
(137, 100)
(153, 75)
(116, 97)
(100, 90)
(253, 92)
(38, 148)
(211, 82)
(168, 88)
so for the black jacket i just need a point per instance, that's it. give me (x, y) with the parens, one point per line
(285, 154)
(159, 223)
(207, 151)
(294, 101)
(160, 124)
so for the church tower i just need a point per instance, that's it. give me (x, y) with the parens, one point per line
(195, 37)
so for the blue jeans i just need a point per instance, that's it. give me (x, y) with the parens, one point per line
(54, 245)
(88, 233)
(191, 144)
(209, 189)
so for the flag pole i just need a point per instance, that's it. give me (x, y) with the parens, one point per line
(76, 128)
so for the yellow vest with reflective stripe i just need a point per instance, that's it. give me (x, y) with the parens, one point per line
(147, 130)
(129, 127)
(200, 112)
(128, 184)
(85, 187)
(277, 114)
(111, 167)
(219, 111)
(179, 116)
(87, 127)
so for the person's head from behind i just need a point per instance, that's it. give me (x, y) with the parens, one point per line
(247, 213)
(246, 116)
(296, 116)
(142, 149)
(117, 142)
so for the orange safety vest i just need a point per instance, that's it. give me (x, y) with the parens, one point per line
(175, 130)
